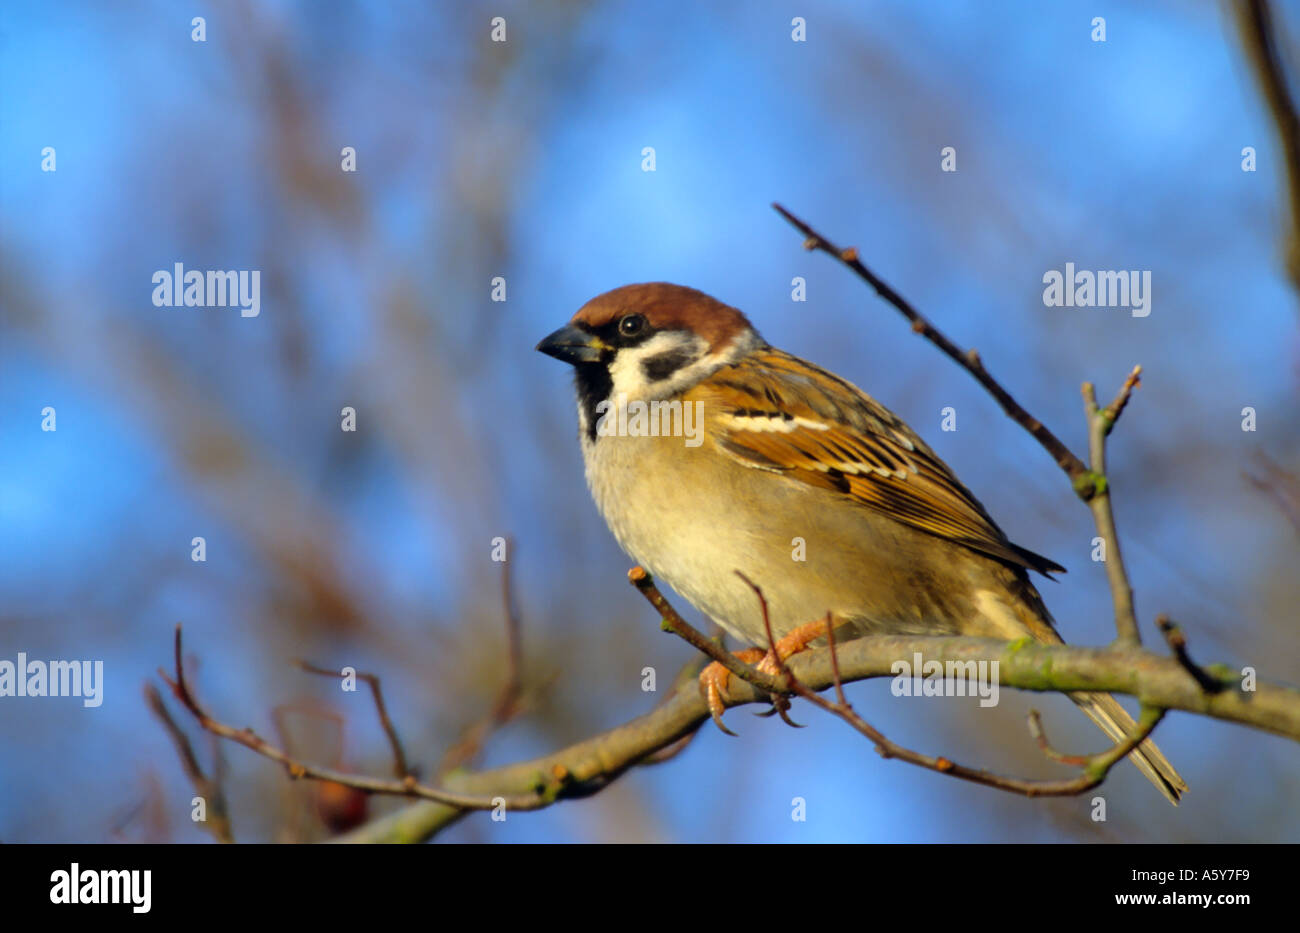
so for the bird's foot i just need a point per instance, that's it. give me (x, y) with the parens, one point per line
(790, 644)
(715, 678)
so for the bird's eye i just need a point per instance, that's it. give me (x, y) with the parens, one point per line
(631, 325)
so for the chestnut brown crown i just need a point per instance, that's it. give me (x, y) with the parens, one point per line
(666, 307)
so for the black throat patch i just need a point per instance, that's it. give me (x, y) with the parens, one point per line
(594, 386)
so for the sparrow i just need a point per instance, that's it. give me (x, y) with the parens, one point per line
(709, 451)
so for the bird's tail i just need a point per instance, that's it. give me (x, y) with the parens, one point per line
(1102, 708)
(1114, 720)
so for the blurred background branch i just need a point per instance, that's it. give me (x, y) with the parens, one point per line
(1261, 36)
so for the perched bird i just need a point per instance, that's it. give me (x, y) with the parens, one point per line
(709, 451)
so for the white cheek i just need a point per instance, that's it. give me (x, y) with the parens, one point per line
(628, 377)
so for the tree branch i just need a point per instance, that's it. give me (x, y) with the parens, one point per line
(1094, 769)
(591, 764)
(400, 767)
(1100, 423)
(1178, 645)
(406, 787)
(968, 360)
(209, 788)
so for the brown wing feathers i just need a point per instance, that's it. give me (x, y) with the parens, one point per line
(827, 433)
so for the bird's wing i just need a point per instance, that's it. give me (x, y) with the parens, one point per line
(773, 411)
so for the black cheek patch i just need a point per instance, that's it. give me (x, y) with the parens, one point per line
(658, 368)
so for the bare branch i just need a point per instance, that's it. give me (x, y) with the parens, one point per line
(968, 360)
(509, 701)
(591, 764)
(1100, 423)
(1036, 730)
(400, 767)
(408, 787)
(210, 789)
(1116, 408)
(1178, 644)
(672, 622)
(1095, 768)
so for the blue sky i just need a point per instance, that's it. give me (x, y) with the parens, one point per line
(524, 161)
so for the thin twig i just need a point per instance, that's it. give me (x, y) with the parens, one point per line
(509, 701)
(968, 360)
(210, 789)
(835, 662)
(1279, 485)
(672, 622)
(780, 704)
(508, 698)
(407, 787)
(400, 767)
(1111, 412)
(1178, 644)
(1036, 730)
(1100, 423)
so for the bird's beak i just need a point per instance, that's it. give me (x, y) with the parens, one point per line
(573, 345)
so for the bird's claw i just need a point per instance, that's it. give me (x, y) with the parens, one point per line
(713, 684)
(781, 706)
(714, 678)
